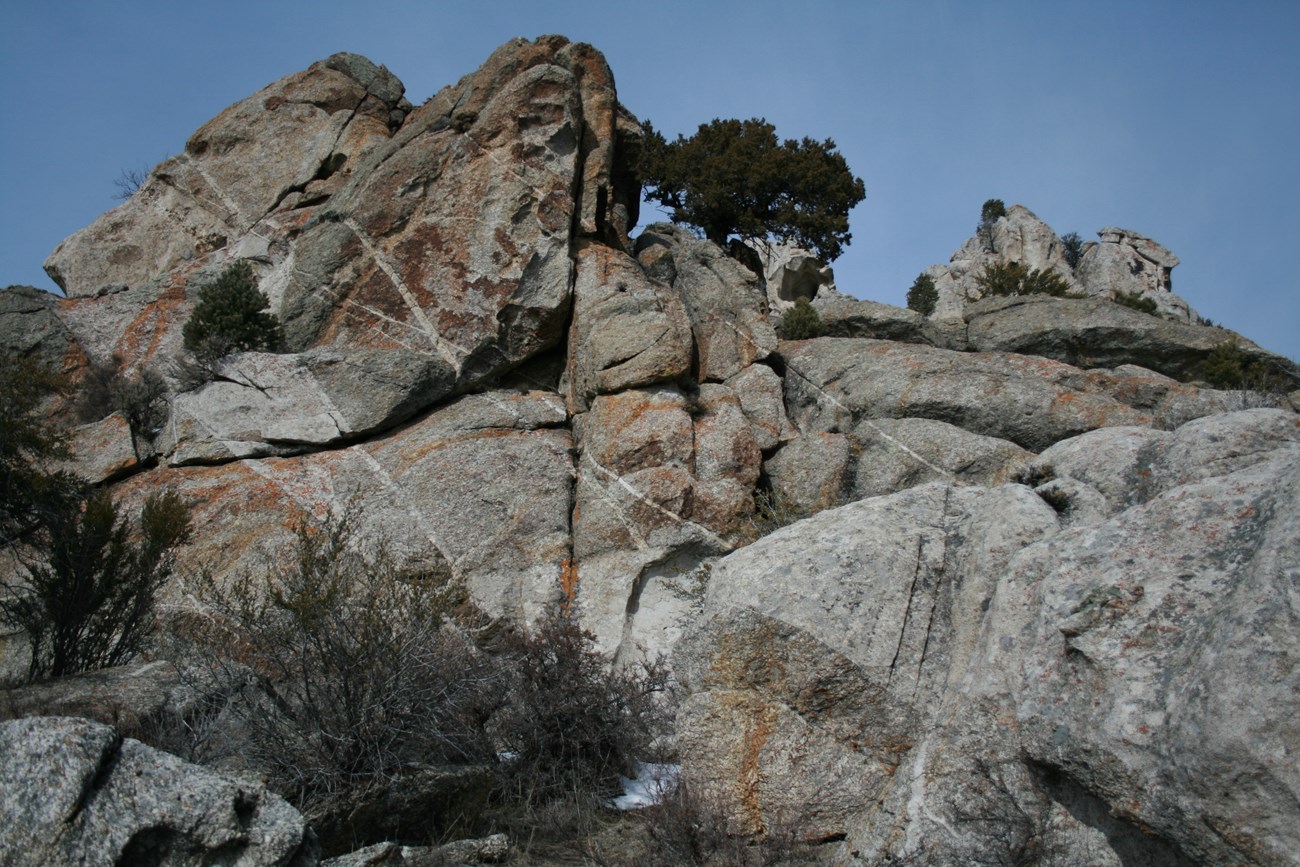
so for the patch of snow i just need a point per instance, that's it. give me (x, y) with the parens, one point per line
(652, 782)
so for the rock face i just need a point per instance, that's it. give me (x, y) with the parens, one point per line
(948, 674)
(77, 793)
(1031, 601)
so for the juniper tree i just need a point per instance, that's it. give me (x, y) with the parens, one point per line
(735, 179)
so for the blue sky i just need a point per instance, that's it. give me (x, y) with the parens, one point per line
(1180, 120)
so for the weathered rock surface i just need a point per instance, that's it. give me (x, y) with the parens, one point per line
(726, 302)
(77, 793)
(628, 330)
(959, 677)
(239, 169)
(664, 479)
(456, 238)
(105, 450)
(264, 404)
(483, 484)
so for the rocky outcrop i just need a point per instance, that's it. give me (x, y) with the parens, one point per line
(833, 384)
(1126, 262)
(790, 273)
(257, 164)
(78, 793)
(724, 299)
(1017, 237)
(946, 673)
(1094, 332)
(1059, 574)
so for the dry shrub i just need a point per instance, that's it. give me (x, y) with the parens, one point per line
(574, 722)
(344, 670)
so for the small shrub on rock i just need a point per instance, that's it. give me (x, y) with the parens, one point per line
(1138, 301)
(802, 322)
(141, 398)
(1012, 278)
(923, 295)
(1072, 248)
(230, 316)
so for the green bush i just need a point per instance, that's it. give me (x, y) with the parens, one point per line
(923, 295)
(89, 594)
(1229, 367)
(231, 316)
(1012, 278)
(1137, 301)
(29, 442)
(1072, 248)
(802, 321)
(991, 211)
(734, 178)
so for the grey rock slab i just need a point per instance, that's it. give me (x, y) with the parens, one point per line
(760, 391)
(77, 793)
(1095, 332)
(1154, 661)
(834, 383)
(264, 404)
(484, 483)
(845, 316)
(893, 454)
(30, 327)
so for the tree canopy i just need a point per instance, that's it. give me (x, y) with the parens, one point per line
(734, 179)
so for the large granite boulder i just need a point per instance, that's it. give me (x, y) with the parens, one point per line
(482, 485)
(78, 793)
(265, 404)
(834, 383)
(628, 330)
(665, 478)
(949, 674)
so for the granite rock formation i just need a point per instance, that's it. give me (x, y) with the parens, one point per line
(1032, 595)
